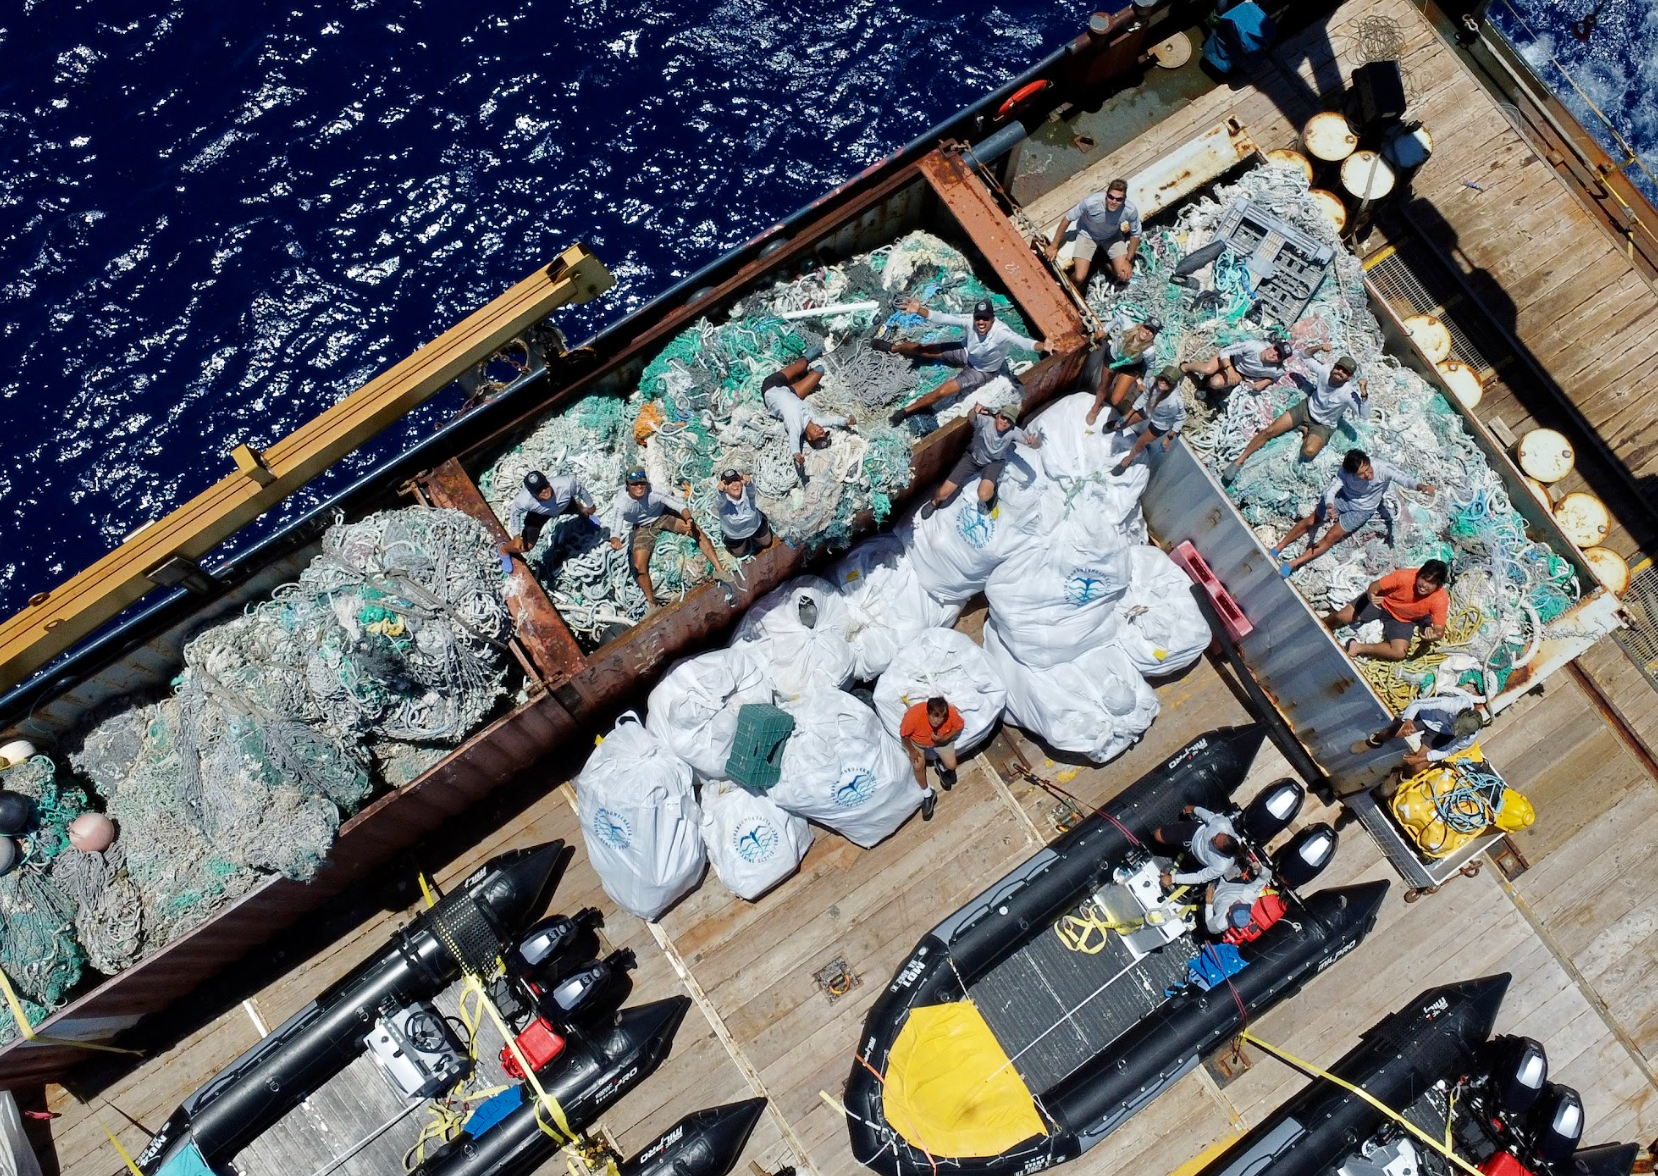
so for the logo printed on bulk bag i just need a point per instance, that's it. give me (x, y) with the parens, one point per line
(1086, 585)
(755, 839)
(612, 828)
(857, 785)
(976, 527)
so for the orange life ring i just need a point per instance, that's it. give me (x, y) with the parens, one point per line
(1019, 95)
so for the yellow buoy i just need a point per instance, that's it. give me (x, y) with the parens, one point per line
(1431, 335)
(1331, 206)
(1288, 158)
(1546, 455)
(1328, 137)
(1584, 518)
(1463, 381)
(1366, 175)
(1610, 568)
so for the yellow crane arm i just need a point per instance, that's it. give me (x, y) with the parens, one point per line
(53, 621)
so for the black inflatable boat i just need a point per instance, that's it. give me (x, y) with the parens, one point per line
(1009, 1042)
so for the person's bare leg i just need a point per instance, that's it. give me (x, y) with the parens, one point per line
(947, 757)
(1120, 385)
(1080, 269)
(1302, 526)
(987, 489)
(642, 573)
(1395, 650)
(1333, 536)
(1311, 444)
(943, 493)
(805, 385)
(943, 392)
(794, 370)
(1099, 398)
(1283, 424)
(1123, 268)
(1204, 368)
(1342, 616)
(707, 547)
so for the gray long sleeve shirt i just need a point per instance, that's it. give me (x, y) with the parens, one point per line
(989, 444)
(1211, 861)
(1435, 716)
(989, 351)
(636, 512)
(1246, 358)
(740, 517)
(795, 413)
(1328, 403)
(1351, 492)
(1164, 411)
(565, 490)
(1227, 896)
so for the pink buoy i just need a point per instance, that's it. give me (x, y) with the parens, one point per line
(91, 832)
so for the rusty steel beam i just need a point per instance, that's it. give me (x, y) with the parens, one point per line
(551, 646)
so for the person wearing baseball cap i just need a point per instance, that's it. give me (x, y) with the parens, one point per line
(1334, 394)
(646, 514)
(542, 500)
(988, 450)
(1161, 409)
(743, 525)
(981, 353)
(1104, 220)
(1130, 352)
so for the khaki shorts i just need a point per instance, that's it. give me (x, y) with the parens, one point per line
(1301, 417)
(1084, 247)
(645, 537)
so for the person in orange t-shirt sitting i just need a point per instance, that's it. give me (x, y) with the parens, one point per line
(929, 731)
(1406, 601)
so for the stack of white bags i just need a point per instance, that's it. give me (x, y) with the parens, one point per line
(1082, 611)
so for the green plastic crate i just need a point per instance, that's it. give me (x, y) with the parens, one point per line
(757, 752)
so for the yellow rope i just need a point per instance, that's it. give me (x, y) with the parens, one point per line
(121, 1151)
(28, 1030)
(1305, 1067)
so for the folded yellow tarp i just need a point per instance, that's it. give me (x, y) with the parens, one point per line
(949, 1088)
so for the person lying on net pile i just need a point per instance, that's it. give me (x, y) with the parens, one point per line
(743, 524)
(540, 501)
(929, 731)
(785, 392)
(1130, 352)
(1447, 725)
(1354, 496)
(981, 352)
(1257, 362)
(1158, 415)
(1207, 837)
(1407, 601)
(1332, 397)
(988, 451)
(1104, 220)
(647, 514)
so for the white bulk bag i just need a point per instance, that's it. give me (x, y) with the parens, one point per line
(693, 709)
(948, 663)
(640, 820)
(886, 601)
(752, 844)
(1097, 705)
(955, 550)
(800, 657)
(1163, 629)
(841, 769)
(1058, 597)
(1073, 451)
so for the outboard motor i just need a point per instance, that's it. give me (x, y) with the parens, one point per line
(1519, 1072)
(1304, 856)
(1272, 810)
(544, 946)
(583, 991)
(1556, 1124)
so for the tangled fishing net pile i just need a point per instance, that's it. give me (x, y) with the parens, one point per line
(699, 410)
(1507, 587)
(388, 650)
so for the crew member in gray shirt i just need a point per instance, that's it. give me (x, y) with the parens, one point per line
(1354, 495)
(541, 500)
(1449, 724)
(1104, 220)
(742, 523)
(988, 450)
(785, 392)
(645, 514)
(1227, 905)
(1333, 396)
(1257, 362)
(1158, 415)
(1209, 839)
(981, 353)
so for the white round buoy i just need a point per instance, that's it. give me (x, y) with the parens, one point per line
(1331, 206)
(1546, 455)
(1431, 335)
(15, 752)
(1610, 568)
(91, 832)
(1584, 518)
(1367, 175)
(1463, 381)
(1328, 137)
(1287, 158)
(1407, 149)
(10, 854)
(1173, 53)
(1540, 492)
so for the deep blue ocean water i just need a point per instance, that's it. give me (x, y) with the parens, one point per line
(215, 219)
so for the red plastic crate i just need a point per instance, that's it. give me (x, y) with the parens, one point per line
(1231, 616)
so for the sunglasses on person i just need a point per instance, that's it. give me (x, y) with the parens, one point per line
(1115, 197)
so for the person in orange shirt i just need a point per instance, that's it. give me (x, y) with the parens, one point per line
(1406, 601)
(929, 731)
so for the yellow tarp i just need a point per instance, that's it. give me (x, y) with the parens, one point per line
(949, 1088)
